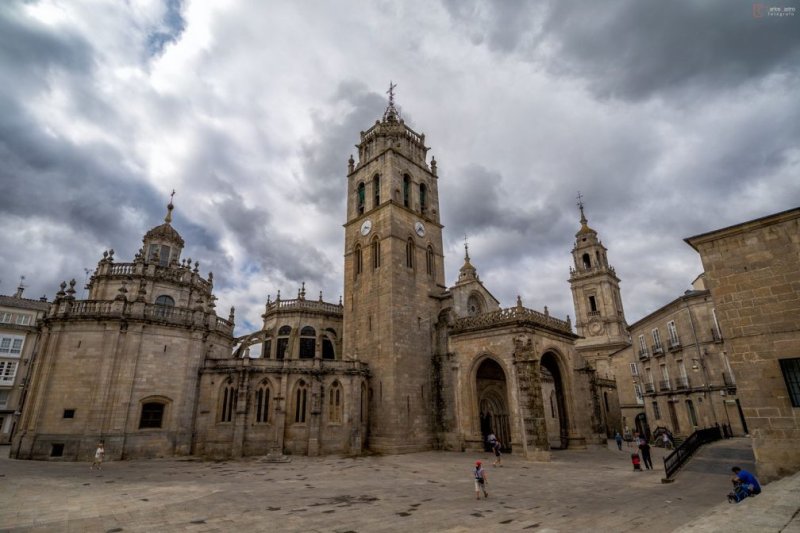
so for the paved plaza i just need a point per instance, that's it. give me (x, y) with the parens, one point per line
(593, 490)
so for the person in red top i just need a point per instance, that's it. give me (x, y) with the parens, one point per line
(480, 481)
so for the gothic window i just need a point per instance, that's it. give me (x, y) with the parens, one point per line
(376, 252)
(587, 262)
(227, 406)
(263, 397)
(376, 190)
(300, 402)
(429, 261)
(335, 403)
(358, 259)
(283, 341)
(410, 253)
(152, 415)
(327, 349)
(308, 342)
(360, 198)
(164, 305)
(592, 304)
(406, 191)
(423, 197)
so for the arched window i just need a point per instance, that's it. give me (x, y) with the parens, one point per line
(327, 349)
(263, 397)
(410, 253)
(335, 403)
(152, 415)
(360, 198)
(300, 402)
(159, 253)
(308, 342)
(358, 260)
(228, 396)
(376, 252)
(474, 305)
(429, 261)
(592, 304)
(423, 197)
(406, 191)
(376, 190)
(587, 261)
(164, 305)
(283, 341)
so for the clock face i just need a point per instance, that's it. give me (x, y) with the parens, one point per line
(420, 229)
(366, 227)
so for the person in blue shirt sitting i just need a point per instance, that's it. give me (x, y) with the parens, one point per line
(747, 480)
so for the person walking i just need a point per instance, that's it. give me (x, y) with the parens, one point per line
(645, 449)
(481, 481)
(618, 440)
(666, 441)
(99, 455)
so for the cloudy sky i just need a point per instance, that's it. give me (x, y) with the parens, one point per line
(671, 118)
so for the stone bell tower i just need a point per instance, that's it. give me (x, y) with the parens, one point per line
(599, 316)
(394, 271)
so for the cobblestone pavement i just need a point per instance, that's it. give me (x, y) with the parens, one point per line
(433, 491)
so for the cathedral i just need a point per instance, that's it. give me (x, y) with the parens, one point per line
(402, 363)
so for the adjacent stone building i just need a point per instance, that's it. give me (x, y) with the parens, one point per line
(753, 273)
(676, 374)
(402, 363)
(18, 317)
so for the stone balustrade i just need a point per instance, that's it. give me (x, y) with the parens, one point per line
(295, 366)
(511, 316)
(174, 273)
(300, 304)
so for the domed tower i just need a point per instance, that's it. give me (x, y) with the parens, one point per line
(122, 366)
(394, 272)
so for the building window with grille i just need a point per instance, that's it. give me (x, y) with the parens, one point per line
(263, 397)
(656, 340)
(300, 402)
(283, 341)
(423, 198)
(673, 334)
(335, 403)
(637, 390)
(376, 190)
(152, 416)
(406, 191)
(429, 261)
(328, 351)
(308, 342)
(691, 412)
(791, 375)
(164, 305)
(634, 369)
(656, 411)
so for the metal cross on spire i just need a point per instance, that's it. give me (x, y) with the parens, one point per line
(170, 207)
(391, 112)
(580, 206)
(390, 92)
(466, 248)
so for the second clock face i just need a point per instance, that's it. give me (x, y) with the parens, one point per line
(366, 227)
(420, 229)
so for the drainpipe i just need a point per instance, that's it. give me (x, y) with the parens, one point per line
(707, 388)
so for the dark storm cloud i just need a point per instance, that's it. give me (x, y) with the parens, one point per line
(325, 158)
(173, 26)
(634, 49)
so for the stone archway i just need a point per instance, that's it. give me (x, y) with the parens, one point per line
(557, 417)
(492, 396)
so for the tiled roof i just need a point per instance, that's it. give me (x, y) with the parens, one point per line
(23, 303)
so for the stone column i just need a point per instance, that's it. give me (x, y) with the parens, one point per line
(531, 403)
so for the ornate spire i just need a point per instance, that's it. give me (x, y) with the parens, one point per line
(467, 272)
(466, 249)
(584, 223)
(391, 114)
(170, 207)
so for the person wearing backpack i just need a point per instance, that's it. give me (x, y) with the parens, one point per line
(480, 481)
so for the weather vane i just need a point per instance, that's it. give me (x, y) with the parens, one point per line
(390, 92)
(171, 195)
(580, 199)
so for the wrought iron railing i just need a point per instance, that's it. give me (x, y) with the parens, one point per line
(682, 383)
(674, 461)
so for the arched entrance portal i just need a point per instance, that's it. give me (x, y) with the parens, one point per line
(555, 405)
(493, 402)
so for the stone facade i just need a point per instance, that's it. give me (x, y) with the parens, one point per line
(676, 374)
(18, 318)
(753, 273)
(403, 363)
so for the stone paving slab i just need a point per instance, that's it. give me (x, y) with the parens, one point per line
(592, 490)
